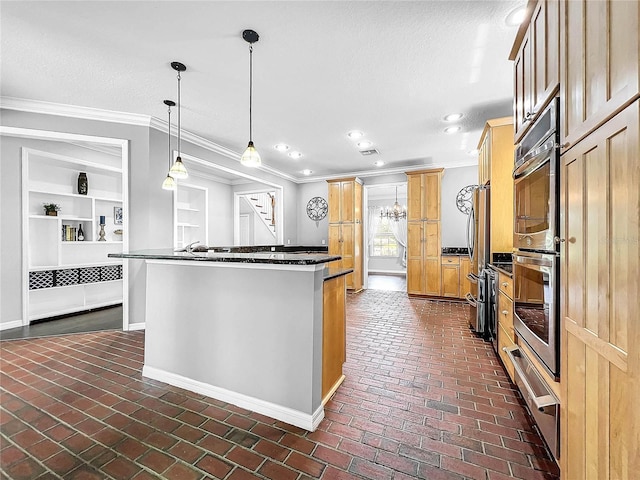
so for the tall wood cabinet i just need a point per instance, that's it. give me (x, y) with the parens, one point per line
(600, 334)
(423, 232)
(495, 166)
(345, 227)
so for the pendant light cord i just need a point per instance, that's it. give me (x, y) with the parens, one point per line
(250, 90)
(169, 136)
(179, 105)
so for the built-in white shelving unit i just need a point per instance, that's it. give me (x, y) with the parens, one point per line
(64, 275)
(191, 203)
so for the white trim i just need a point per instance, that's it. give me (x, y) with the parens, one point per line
(255, 266)
(12, 324)
(136, 326)
(389, 272)
(68, 137)
(285, 414)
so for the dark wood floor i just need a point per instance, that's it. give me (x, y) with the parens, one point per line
(423, 398)
(104, 319)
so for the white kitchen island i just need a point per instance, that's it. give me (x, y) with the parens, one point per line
(247, 328)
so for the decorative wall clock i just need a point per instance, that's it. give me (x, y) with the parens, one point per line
(464, 198)
(317, 208)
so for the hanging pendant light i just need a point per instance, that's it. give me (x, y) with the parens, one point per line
(250, 157)
(169, 182)
(178, 170)
(396, 212)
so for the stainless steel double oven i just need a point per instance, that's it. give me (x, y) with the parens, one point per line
(536, 268)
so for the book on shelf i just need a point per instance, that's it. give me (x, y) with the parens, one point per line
(69, 233)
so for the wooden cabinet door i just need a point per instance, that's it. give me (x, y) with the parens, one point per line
(348, 249)
(450, 281)
(415, 279)
(545, 52)
(414, 197)
(431, 193)
(522, 87)
(357, 205)
(599, 63)
(333, 333)
(347, 201)
(599, 299)
(432, 255)
(334, 202)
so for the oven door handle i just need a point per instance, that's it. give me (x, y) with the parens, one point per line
(542, 263)
(541, 402)
(534, 160)
(471, 300)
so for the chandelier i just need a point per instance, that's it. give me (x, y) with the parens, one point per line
(396, 212)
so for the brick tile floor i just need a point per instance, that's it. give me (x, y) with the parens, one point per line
(423, 398)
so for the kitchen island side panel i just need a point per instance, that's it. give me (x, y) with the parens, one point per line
(254, 331)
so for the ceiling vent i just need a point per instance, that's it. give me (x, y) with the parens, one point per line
(373, 151)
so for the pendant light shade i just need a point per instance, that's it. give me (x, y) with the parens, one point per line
(169, 182)
(178, 170)
(250, 157)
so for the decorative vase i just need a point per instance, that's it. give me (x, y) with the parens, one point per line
(52, 213)
(83, 184)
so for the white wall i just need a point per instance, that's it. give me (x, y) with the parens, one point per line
(454, 222)
(150, 224)
(311, 232)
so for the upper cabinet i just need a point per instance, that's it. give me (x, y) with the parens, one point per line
(345, 227)
(600, 63)
(536, 56)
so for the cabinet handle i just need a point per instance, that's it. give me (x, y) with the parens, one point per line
(558, 240)
(505, 284)
(505, 312)
(563, 145)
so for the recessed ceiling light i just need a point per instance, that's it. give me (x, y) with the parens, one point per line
(451, 129)
(307, 171)
(364, 144)
(379, 163)
(473, 152)
(516, 16)
(354, 134)
(281, 147)
(295, 154)
(452, 117)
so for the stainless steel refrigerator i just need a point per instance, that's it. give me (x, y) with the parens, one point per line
(478, 238)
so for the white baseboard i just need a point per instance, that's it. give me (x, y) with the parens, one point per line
(389, 272)
(8, 325)
(284, 414)
(136, 326)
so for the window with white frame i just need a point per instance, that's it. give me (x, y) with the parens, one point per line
(384, 242)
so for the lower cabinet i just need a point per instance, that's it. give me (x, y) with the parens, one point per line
(453, 274)
(334, 346)
(505, 331)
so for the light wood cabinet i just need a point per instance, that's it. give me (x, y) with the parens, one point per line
(536, 56)
(496, 151)
(334, 347)
(451, 276)
(505, 330)
(600, 63)
(465, 269)
(600, 292)
(345, 227)
(423, 233)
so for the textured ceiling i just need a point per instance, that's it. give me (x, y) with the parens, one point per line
(389, 69)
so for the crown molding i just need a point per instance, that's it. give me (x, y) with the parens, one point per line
(387, 171)
(90, 113)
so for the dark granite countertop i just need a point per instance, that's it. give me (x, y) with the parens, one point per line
(330, 272)
(459, 251)
(283, 258)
